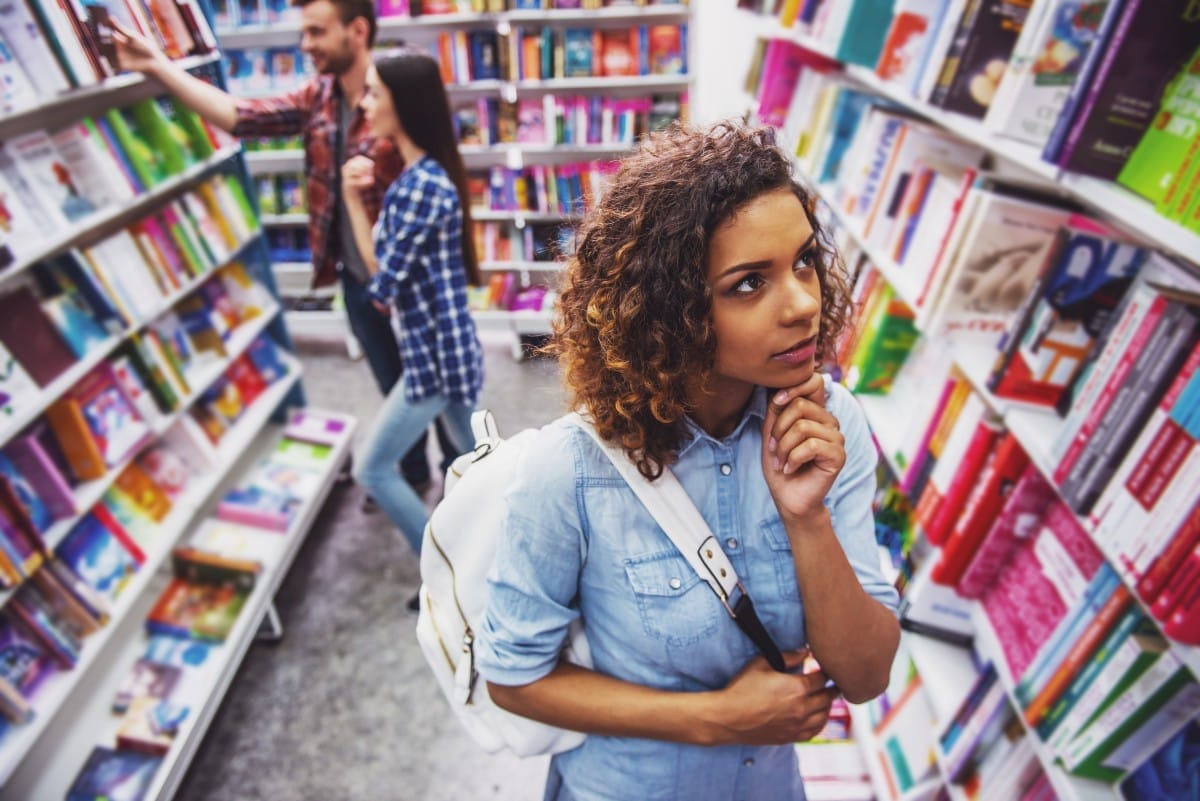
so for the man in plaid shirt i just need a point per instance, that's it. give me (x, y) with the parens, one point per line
(337, 35)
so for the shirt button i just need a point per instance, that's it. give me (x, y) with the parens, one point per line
(675, 583)
(748, 762)
(726, 469)
(731, 543)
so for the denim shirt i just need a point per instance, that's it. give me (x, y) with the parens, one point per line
(578, 542)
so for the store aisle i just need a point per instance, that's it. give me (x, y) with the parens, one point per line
(344, 707)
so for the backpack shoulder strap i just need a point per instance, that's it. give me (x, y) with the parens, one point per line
(669, 504)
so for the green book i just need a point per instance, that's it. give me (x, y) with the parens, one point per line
(1133, 624)
(1130, 698)
(149, 169)
(1169, 149)
(169, 141)
(243, 202)
(888, 349)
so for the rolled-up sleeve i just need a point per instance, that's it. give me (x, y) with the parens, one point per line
(854, 519)
(283, 115)
(534, 579)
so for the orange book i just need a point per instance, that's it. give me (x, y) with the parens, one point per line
(144, 492)
(75, 438)
(1079, 654)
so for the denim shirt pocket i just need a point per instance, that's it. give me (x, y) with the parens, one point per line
(781, 553)
(675, 605)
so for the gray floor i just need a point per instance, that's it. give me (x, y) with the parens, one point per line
(344, 707)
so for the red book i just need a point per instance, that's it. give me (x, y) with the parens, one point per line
(995, 484)
(1018, 521)
(983, 441)
(119, 532)
(1183, 624)
(1186, 575)
(1185, 540)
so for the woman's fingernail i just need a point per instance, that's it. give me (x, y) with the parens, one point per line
(781, 396)
(771, 443)
(775, 462)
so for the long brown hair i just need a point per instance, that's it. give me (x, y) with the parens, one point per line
(415, 84)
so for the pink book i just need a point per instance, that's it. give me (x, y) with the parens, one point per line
(1018, 521)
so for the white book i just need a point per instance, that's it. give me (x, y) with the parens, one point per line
(63, 33)
(995, 266)
(48, 177)
(17, 92)
(25, 221)
(24, 37)
(935, 238)
(17, 391)
(97, 176)
(1039, 76)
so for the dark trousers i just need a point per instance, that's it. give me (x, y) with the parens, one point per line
(374, 333)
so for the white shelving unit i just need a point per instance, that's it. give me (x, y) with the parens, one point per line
(39, 759)
(424, 29)
(1035, 427)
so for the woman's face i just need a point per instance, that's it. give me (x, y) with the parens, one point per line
(377, 107)
(766, 297)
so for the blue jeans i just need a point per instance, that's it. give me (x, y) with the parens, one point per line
(374, 332)
(396, 427)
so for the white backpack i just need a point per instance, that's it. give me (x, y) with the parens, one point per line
(456, 555)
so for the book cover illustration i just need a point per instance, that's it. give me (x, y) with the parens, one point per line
(112, 419)
(201, 610)
(94, 552)
(149, 725)
(17, 390)
(271, 496)
(114, 775)
(48, 175)
(318, 427)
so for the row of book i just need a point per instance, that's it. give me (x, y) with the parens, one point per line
(540, 242)
(48, 48)
(282, 193)
(530, 54)
(52, 180)
(110, 413)
(1102, 88)
(228, 14)
(78, 299)
(566, 189)
(252, 71)
(71, 592)
(565, 120)
(213, 574)
(507, 290)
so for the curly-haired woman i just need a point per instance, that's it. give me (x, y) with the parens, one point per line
(691, 328)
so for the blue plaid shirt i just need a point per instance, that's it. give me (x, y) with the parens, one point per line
(418, 246)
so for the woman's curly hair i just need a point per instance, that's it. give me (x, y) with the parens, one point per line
(633, 331)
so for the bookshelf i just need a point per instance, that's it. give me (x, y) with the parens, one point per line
(445, 36)
(209, 252)
(1035, 428)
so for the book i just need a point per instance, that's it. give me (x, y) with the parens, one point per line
(1087, 271)
(114, 773)
(101, 554)
(17, 391)
(1148, 45)
(28, 333)
(204, 599)
(149, 724)
(972, 73)
(1045, 64)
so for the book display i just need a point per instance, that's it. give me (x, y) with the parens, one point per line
(143, 357)
(545, 96)
(1013, 188)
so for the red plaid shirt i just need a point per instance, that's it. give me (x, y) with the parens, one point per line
(312, 110)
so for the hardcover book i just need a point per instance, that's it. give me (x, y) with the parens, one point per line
(114, 774)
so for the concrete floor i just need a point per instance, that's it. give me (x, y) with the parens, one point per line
(345, 707)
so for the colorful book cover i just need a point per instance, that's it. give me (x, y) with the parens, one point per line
(114, 774)
(17, 390)
(94, 553)
(29, 335)
(49, 177)
(200, 610)
(115, 425)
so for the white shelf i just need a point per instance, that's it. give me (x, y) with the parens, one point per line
(98, 354)
(284, 219)
(518, 216)
(392, 28)
(317, 323)
(519, 322)
(260, 162)
(533, 266)
(1122, 207)
(51, 698)
(119, 90)
(1066, 786)
(117, 215)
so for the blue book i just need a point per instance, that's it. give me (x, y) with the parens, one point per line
(1055, 649)
(114, 774)
(866, 29)
(848, 110)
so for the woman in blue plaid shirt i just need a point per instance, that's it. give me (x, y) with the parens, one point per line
(421, 256)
